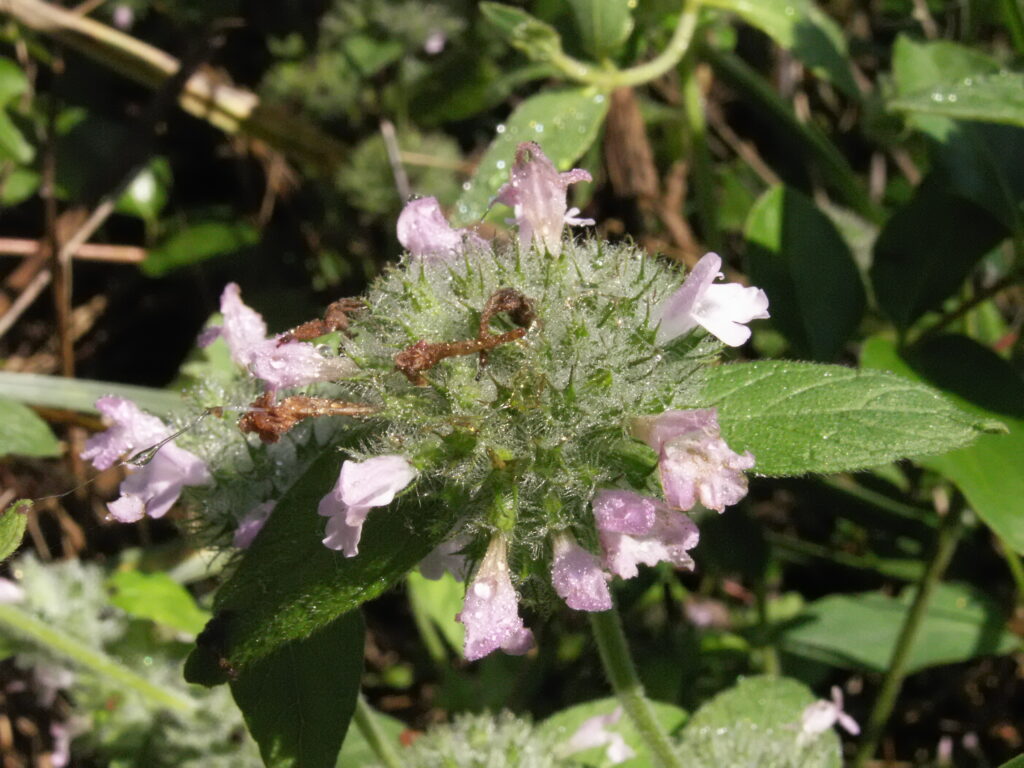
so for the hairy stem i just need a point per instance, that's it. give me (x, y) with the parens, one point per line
(949, 532)
(618, 666)
(28, 627)
(366, 721)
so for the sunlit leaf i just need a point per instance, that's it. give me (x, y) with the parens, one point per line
(157, 597)
(798, 418)
(23, 433)
(996, 98)
(199, 242)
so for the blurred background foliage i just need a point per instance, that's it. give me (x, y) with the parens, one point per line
(863, 162)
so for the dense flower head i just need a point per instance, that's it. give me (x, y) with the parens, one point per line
(508, 384)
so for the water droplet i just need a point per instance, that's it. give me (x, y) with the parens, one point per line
(500, 164)
(539, 128)
(500, 129)
(466, 186)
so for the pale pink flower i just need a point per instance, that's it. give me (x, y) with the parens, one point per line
(693, 460)
(361, 486)
(281, 363)
(153, 488)
(537, 194)
(252, 523)
(445, 557)
(722, 310)
(425, 233)
(636, 529)
(578, 577)
(821, 715)
(130, 430)
(435, 42)
(10, 591)
(490, 612)
(594, 732)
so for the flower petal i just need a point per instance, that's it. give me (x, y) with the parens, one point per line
(675, 315)
(130, 431)
(624, 511)
(490, 612)
(578, 577)
(423, 230)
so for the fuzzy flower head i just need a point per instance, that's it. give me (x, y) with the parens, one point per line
(537, 194)
(693, 460)
(722, 310)
(361, 486)
(490, 612)
(578, 577)
(152, 489)
(822, 715)
(636, 529)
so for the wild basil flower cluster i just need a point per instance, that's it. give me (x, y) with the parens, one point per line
(537, 400)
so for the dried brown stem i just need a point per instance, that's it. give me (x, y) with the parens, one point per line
(120, 254)
(270, 420)
(336, 318)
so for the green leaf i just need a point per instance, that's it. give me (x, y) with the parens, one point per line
(978, 380)
(796, 254)
(13, 82)
(18, 186)
(12, 143)
(982, 162)
(561, 726)
(537, 39)
(604, 25)
(800, 26)
(926, 250)
(13, 521)
(288, 584)
(24, 433)
(157, 597)
(564, 122)
(995, 98)
(860, 631)
(298, 700)
(1017, 762)
(439, 600)
(146, 195)
(805, 417)
(198, 242)
(757, 723)
(81, 394)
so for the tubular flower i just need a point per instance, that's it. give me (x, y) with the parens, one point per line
(594, 732)
(537, 194)
(578, 577)
(252, 524)
(490, 612)
(636, 529)
(155, 487)
(361, 486)
(694, 461)
(424, 231)
(445, 557)
(282, 364)
(722, 310)
(821, 715)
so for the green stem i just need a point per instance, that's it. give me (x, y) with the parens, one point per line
(1014, 22)
(611, 78)
(366, 722)
(40, 634)
(948, 533)
(770, 662)
(1016, 569)
(700, 158)
(618, 666)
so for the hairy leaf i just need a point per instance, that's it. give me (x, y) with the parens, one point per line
(860, 631)
(978, 380)
(298, 700)
(804, 417)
